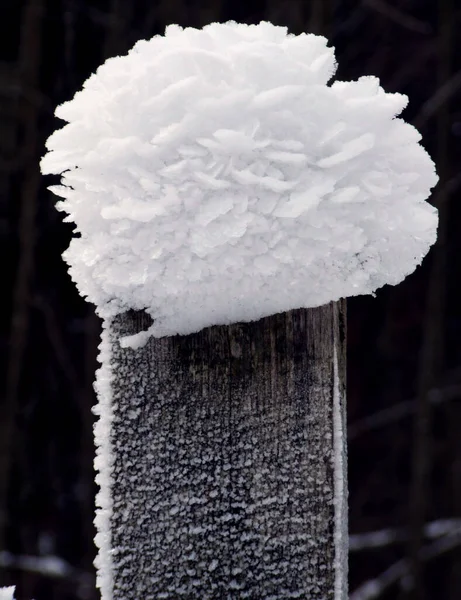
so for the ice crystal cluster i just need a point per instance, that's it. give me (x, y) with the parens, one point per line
(215, 176)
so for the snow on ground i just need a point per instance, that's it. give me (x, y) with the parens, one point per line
(214, 176)
(7, 593)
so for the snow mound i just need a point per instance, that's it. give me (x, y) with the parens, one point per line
(7, 593)
(214, 176)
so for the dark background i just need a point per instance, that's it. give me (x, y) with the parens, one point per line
(404, 350)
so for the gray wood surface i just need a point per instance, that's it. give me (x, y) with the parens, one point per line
(224, 472)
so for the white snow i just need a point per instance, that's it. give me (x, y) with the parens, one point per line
(103, 465)
(340, 488)
(7, 593)
(214, 176)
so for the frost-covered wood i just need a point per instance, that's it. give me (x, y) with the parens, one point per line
(223, 478)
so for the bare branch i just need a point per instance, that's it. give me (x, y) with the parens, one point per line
(374, 588)
(392, 414)
(56, 341)
(387, 537)
(397, 16)
(438, 99)
(29, 68)
(432, 345)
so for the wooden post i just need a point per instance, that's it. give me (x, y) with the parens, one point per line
(224, 476)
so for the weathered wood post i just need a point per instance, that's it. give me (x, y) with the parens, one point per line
(232, 439)
(227, 200)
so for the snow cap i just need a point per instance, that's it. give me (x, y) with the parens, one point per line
(214, 176)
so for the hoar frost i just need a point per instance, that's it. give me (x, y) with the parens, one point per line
(214, 176)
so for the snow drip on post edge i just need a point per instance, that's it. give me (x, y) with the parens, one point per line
(340, 484)
(215, 176)
(103, 464)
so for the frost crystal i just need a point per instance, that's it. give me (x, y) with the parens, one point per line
(214, 176)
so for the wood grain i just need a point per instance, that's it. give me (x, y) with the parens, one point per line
(224, 472)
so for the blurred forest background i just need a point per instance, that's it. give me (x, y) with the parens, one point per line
(404, 349)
